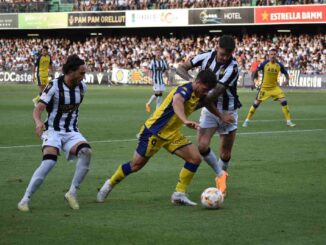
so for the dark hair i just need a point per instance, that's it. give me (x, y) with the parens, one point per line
(45, 47)
(72, 64)
(227, 42)
(207, 77)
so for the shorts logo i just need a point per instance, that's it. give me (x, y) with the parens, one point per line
(153, 142)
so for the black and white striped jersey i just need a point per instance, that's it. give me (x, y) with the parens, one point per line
(158, 67)
(227, 74)
(62, 105)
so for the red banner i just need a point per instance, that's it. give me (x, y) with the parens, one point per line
(291, 14)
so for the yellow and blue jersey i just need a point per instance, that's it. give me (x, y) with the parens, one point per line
(271, 73)
(164, 122)
(42, 65)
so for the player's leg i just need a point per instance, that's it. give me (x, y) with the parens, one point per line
(40, 87)
(204, 137)
(48, 162)
(251, 112)
(226, 144)
(148, 145)
(192, 159)
(159, 99)
(82, 150)
(286, 112)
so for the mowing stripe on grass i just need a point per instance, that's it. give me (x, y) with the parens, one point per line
(129, 140)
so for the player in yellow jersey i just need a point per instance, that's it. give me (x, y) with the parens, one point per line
(270, 88)
(162, 130)
(41, 68)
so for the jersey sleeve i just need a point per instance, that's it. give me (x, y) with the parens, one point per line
(48, 93)
(230, 76)
(184, 92)
(261, 66)
(151, 65)
(198, 59)
(283, 70)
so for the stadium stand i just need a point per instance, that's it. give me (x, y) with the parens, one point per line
(304, 52)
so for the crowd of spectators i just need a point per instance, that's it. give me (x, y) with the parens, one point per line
(304, 52)
(108, 5)
(23, 6)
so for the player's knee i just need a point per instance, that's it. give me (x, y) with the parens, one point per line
(203, 147)
(195, 159)
(255, 105)
(284, 103)
(204, 151)
(225, 156)
(135, 167)
(84, 150)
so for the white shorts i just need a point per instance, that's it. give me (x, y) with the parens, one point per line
(209, 120)
(158, 87)
(62, 141)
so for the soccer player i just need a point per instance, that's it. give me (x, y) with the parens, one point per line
(61, 98)
(158, 66)
(42, 65)
(162, 130)
(270, 88)
(225, 67)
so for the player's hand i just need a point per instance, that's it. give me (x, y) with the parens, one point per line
(39, 129)
(192, 124)
(227, 118)
(286, 83)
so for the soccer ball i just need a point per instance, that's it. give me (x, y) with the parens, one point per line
(212, 198)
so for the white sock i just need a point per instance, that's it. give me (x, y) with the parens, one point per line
(151, 99)
(38, 177)
(158, 101)
(211, 160)
(82, 167)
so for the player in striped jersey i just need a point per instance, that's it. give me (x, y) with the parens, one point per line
(162, 130)
(61, 98)
(221, 62)
(158, 66)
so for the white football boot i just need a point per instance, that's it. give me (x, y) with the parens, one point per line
(104, 191)
(180, 198)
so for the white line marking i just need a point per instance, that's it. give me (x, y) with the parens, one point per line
(282, 120)
(130, 140)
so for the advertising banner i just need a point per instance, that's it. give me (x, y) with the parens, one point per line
(159, 18)
(98, 19)
(42, 20)
(291, 14)
(221, 16)
(8, 21)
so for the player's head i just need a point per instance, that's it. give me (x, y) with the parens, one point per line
(75, 68)
(272, 54)
(205, 81)
(158, 53)
(45, 50)
(225, 48)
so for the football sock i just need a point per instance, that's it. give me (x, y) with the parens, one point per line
(82, 167)
(224, 164)
(158, 101)
(186, 174)
(211, 159)
(122, 171)
(251, 112)
(286, 111)
(151, 99)
(40, 173)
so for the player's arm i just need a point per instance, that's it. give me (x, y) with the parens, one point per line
(178, 107)
(183, 69)
(210, 103)
(286, 74)
(37, 113)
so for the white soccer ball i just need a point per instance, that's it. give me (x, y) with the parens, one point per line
(212, 198)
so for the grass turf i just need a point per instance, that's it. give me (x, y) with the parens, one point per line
(276, 187)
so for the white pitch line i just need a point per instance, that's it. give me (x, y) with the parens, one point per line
(282, 120)
(130, 140)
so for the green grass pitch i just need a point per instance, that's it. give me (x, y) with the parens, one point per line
(276, 186)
